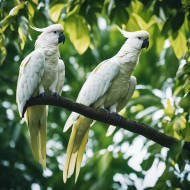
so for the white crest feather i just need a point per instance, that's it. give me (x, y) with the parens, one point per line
(125, 33)
(37, 29)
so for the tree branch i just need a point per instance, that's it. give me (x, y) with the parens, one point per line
(100, 115)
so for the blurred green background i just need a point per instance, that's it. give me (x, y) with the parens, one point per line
(161, 100)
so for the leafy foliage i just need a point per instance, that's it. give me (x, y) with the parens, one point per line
(162, 97)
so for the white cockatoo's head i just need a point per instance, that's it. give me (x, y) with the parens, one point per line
(51, 35)
(136, 40)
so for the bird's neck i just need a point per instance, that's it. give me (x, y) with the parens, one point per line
(128, 51)
(128, 58)
(49, 50)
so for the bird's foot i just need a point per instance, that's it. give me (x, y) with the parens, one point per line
(107, 113)
(119, 117)
(44, 96)
(57, 96)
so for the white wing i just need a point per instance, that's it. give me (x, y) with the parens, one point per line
(61, 76)
(95, 86)
(123, 102)
(98, 82)
(31, 71)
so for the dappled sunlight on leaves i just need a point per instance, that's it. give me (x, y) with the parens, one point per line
(162, 97)
(78, 32)
(169, 111)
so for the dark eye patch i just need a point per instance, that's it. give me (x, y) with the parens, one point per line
(54, 31)
(139, 38)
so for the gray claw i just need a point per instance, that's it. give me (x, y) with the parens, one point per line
(107, 113)
(118, 116)
(44, 96)
(57, 96)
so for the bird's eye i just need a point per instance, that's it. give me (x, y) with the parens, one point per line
(54, 31)
(139, 38)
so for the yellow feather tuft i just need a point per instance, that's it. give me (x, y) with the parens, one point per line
(76, 147)
(37, 129)
(81, 153)
(69, 153)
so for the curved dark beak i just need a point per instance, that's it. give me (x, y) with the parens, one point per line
(61, 38)
(145, 44)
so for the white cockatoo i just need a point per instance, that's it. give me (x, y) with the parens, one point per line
(109, 86)
(41, 72)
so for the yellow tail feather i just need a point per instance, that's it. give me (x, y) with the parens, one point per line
(34, 141)
(76, 147)
(72, 164)
(42, 150)
(36, 120)
(81, 153)
(69, 154)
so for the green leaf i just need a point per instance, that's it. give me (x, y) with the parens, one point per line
(178, 44)
(146, 164)
(22, 37)
(177, 21)
(154, 149)
(179, 126)
(121, 15)
(157, 8)
(137, 6)
(166, 27)
(175, 151)
(187, 132)
(23, 23)
(40, 23)
(3, 52)
(78, 32)
(132, 24)
(162, 186)
(169, 111)
(181, 162)
(180, 123)
(104, 163)
(73, 6)
(136, 22)
(35, 1)
(156, 39)
(146, 100)
(185, 102)
(55, 11)
(30, 10)
(168, 127)
(142, 24)
(177, 90)
(14, 11)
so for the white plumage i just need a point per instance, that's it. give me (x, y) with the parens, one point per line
(109, 86)
(41, 72)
